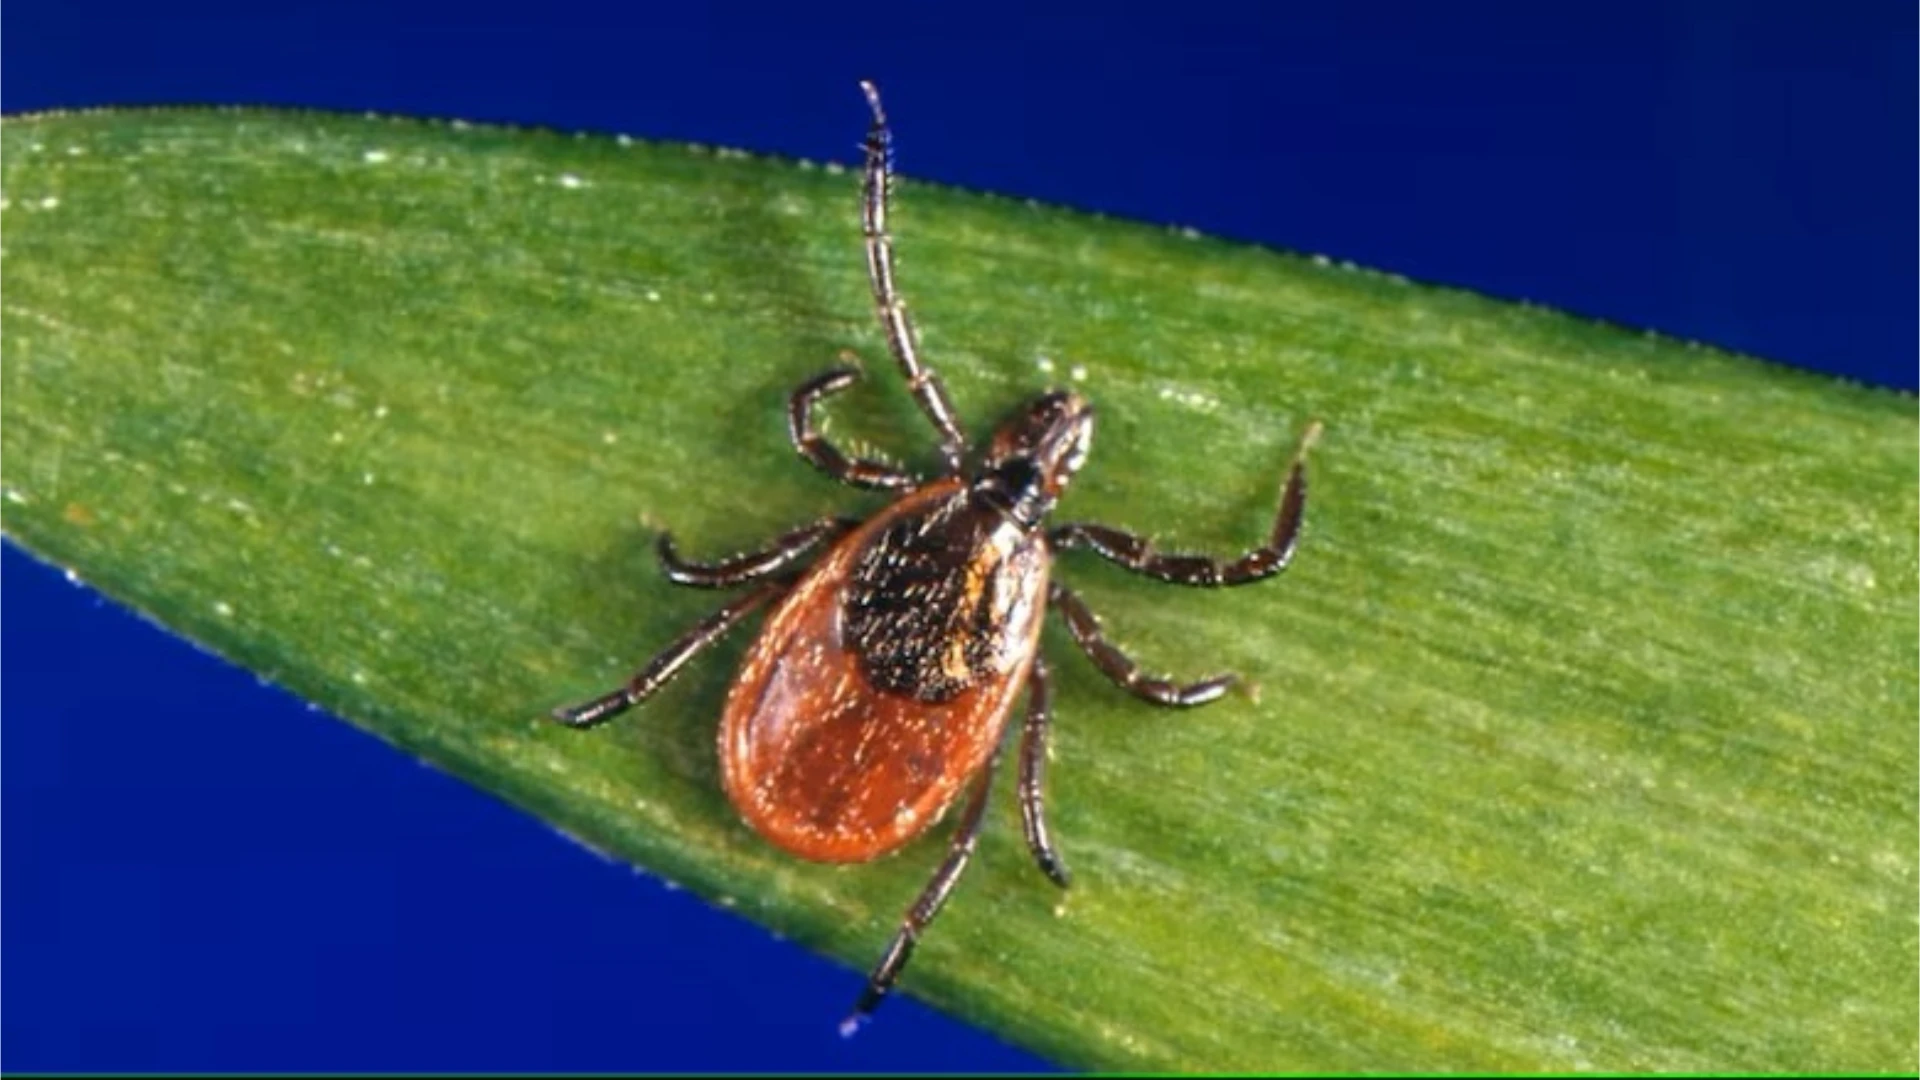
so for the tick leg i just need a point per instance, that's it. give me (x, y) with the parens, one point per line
(931, 899)
(753, 566)
(1119, 667)
(1136, 553)
(927, 388)
(665, 666)
(1033, 775)
(859, 472)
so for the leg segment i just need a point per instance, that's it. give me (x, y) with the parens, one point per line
(1117, 666)
(859, 472)
(1136, 553)
(665, 666)
(742, 569)
(928, 905)
(1033, 775)
(927, 388)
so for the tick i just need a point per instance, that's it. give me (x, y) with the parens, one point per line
(882, 680)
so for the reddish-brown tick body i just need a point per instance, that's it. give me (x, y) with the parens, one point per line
(881, 684)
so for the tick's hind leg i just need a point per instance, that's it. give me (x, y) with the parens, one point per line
(1136, 553)
(891, 307)
(741, 569)
(812, 445)
(931, 899)
(1121, 668)
(1033, 775)
(665, 666)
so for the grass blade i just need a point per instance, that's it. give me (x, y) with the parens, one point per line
(1584, 727)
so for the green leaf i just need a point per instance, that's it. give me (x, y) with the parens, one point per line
(1583, 733)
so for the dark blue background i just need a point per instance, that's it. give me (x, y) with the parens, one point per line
(201, 873)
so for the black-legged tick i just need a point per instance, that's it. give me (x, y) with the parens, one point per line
(882, 681)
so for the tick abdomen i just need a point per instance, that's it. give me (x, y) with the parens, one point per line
(881, 683)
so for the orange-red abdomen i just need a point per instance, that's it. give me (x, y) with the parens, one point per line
(881, 683)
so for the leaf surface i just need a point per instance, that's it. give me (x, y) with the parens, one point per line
(1581, 733)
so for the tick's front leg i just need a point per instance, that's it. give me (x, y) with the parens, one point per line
(1136, 553)
(889, 305)
(812, 445)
